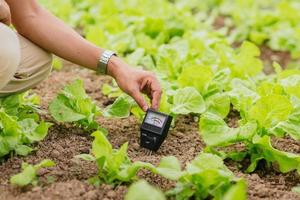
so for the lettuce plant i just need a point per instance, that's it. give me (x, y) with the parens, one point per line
(216, 132)
(114, 166)
(141, 190)
(201, 74)
(207, 177)
(29, 173)
(72, 104)
(20, 124)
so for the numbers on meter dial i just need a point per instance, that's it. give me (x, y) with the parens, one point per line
(155, 119)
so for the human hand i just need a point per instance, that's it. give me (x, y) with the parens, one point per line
(135, 82)
(5, 16)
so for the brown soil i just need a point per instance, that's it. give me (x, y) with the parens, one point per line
(67, 180)
(219, 22)
(287, 144)
(269, 56)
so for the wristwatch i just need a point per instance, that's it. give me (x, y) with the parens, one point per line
(103, 61)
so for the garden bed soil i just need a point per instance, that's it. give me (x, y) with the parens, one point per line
(67, 180)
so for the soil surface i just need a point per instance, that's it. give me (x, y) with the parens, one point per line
(269, 56)
(67, 180)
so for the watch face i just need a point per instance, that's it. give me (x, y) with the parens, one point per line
(155, 119)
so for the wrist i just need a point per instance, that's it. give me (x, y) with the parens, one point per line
(114, 66)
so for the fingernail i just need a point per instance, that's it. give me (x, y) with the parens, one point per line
(145, 108)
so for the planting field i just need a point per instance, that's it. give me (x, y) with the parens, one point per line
(231, 80)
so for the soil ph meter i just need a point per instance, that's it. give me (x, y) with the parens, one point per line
(154, 129)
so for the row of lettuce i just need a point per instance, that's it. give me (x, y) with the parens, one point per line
(206, 176)
(73, 105)
(199, 70)
(201, 74)
(130, 24)
(271, 22)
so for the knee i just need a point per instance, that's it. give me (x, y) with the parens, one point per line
(41, 59)
(10, 54)
(47, 60)
(48, 63)
(10, 47)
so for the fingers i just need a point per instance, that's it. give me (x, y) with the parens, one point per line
(156, 94)
(156, 100)
(143, 82)
(138, 97)
(151, 87)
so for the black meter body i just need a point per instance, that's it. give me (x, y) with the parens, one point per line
(154, 129)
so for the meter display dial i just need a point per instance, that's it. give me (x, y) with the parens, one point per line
(155, 119)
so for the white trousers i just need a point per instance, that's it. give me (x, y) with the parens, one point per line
(22, 63)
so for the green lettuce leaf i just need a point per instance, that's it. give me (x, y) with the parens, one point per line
(188, 100)
(26, 177)
(169, 167)
(270, 110)
(61, 111)
(291, 84)
(23, 150)
(141, 190)
(218, 104)
(113, 164)
(215, 131)
(285, 160)
(206, 176)
(10, 133)
(198, 80)
(292, 125)
(120, 108)
(72, 104)
(247, 62)
(242, 96)
(29, 173)
(32, 131)
(237, 192)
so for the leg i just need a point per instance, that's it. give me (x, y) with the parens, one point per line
(35, 65)
(10, 54)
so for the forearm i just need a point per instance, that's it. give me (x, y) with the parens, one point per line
(44, 29)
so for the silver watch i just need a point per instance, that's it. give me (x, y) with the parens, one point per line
(103, 61)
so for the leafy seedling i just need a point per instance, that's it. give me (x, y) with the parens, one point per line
(207, 176)
(29, 173)
(20, 124)
(114, 166)
(142, 190)
(72, 104)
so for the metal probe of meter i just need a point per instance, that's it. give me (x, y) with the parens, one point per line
(154, 129)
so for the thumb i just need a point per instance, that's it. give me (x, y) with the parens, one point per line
(140, 100)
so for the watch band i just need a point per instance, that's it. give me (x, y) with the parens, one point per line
(103, 61)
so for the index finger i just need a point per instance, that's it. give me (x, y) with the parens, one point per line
(156, 93)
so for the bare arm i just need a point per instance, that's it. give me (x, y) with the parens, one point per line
(41, 27)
